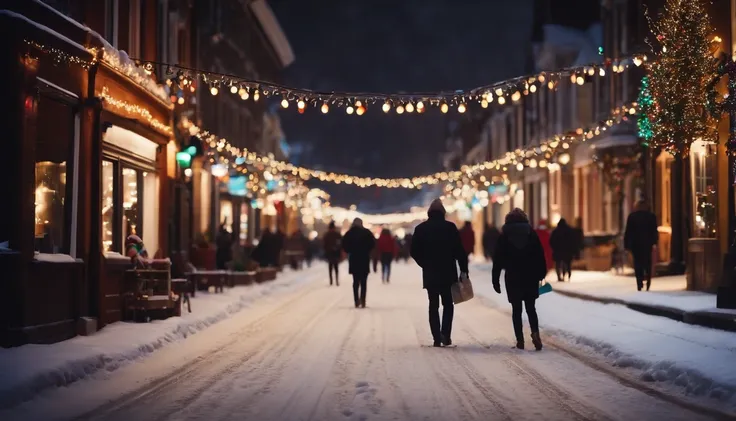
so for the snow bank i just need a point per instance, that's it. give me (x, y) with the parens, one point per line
(31, 369)
(53, 258)
(698, 360)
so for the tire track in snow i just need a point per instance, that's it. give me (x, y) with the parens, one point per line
(555, 393)
(160, 389)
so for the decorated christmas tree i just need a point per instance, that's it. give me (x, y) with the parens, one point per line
(682, 68)
(645, 102)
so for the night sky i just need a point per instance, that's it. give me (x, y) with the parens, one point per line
(392, 46)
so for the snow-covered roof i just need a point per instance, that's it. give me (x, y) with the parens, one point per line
(274, 33)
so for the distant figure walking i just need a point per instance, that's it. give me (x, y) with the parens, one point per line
(333, 250)
(640, 237)
(437, 248)
(564, 246)
(520, 254)
(468, 238)
(387, 249)
(490, 238)
(358, 243)
(224, 251)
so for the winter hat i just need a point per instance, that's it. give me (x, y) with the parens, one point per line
(437, 206)
(516, 215)
(357, 222)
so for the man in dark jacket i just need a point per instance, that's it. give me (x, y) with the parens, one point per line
(640, 237)
(224, 248)
(437, 248)
(520, 254)
(333, 249)
(358, 244)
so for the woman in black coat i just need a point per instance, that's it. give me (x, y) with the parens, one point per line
(564, 246)
(358, 243)
(520, 254)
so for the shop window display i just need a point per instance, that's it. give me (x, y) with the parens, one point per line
(702, 172)
(108, 205)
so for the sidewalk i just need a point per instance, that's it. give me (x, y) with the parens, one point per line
(667, 297)
(31, 369)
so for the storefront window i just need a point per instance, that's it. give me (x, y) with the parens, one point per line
(108, 204)
(244, 223)
(226, 214)
(702, 172)
(53, 168)
(50, 204)
(131, 218)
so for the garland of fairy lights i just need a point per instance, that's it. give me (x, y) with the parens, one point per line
(503, 92)
(137, 110)
(537, 156)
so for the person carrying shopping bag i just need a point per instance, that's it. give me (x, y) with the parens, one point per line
(520, 254)
(437, 248)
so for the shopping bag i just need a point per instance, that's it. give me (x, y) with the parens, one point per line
(545, 287)
(462, 290)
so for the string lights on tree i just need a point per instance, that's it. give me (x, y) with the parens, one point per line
(684, 64)
(644, 125)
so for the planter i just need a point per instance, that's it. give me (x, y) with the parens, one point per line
(265, 275)
(242, 278)
(703, 264)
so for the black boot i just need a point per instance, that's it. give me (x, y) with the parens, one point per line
(519, 345)
(537, 341)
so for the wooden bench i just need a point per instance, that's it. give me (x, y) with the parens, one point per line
(148, 292)
(243, 278)
(265, 274)
(183, 288)
(203, 280)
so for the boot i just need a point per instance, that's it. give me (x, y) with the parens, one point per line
(537, 341)
(519, 345)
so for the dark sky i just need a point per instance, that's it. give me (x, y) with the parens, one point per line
(391, 46)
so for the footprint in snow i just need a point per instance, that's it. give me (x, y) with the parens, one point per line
(361, 384)
(347, 412)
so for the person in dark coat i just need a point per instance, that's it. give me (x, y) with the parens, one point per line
(437, 248)
(262, 252)
(279, 240)
(407, 247)
(490, 238)
(520, 254)
(563, 241)
(467, 235)
(224, 244)
(333, 249)
(358, 244)
(640, 237)
(387, 249)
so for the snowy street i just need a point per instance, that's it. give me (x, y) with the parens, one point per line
(308, 354)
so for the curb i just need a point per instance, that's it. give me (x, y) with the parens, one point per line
(720, 321)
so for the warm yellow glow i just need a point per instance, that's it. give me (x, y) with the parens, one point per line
(444, 108)
(520, 167)
(410, 108)
(516, 96)
(233, 89)
(325, 108)
(180, 101)
(461, 108)
(499, 92)
(349, 109)
(214, 90)
(602, 72)
(360, 110)
(256, 95)
(400, 109)
(501, 100)
(284, 103)
(420, 106)
(386, 107)
(135, 110)
(580, 80)
(484, 103)
(533, 88)
(564, 159)
(301, 104)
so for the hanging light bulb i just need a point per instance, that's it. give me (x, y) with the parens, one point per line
(420, 107)
(400, 109)
(244, 94)
(444, 108)
(301, 104)
(325, 108)
(499, 91)
(602, 72)
(564, 159)
(233, 89)
(360, 110)
(516, 96)
(533, 88)
(285, 103)
(501, 100)
(461, 108)
(180, 101)
(520, 167)
(358, 104)
(256, 95)
(551, 85)
(350, 109)
(410, 108)
(386, 107)
(484, 103)
(580, 80)
(214, 90)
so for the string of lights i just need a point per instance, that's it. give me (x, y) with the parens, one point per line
(136, 110)
(539, 155)
(356, 103)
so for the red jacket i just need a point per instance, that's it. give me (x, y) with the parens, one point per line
(386, 244)
(544, 237)
(467, 235)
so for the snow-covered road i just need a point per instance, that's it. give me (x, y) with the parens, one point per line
(310, 355)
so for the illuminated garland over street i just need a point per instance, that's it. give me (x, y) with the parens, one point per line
(540, 155)
(357, 103)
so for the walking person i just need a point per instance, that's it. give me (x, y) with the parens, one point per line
(490, 238)
(437, 248)
(640, 237)
(564, 246)
(387, 249)
(224, 243)
(467, 236)
(544, 234)
(358, 244)
(520, 254)
(333, 249)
